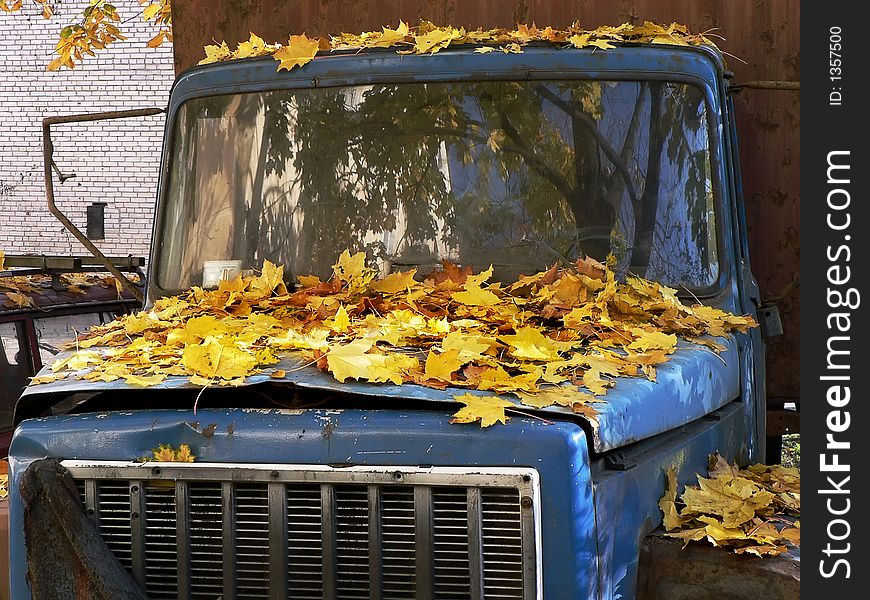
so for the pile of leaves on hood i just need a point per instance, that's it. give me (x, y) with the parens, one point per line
(428, 38)
(537, 339)
(751, 510)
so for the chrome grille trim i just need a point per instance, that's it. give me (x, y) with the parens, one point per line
(203, 530)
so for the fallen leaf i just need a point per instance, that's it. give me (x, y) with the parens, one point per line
(299, 51)
(486, 409)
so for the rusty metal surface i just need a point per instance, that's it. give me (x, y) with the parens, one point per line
(701, 572)
(762, 36)
(91, 299)
(53, 296)
(66, 556)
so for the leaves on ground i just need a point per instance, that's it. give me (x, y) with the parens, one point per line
(751, 510)
(452, 329)
(428, 38)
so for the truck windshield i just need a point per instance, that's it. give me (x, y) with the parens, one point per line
(519, 175)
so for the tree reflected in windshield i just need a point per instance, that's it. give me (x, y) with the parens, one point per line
(516, 174)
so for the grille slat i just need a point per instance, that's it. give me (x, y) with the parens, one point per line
(501, 535)
(343, 537)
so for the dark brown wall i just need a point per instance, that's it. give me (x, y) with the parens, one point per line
(762, 36)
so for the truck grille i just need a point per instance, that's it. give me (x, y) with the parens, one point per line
(311, 532)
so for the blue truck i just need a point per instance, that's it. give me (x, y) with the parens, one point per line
(304, 487)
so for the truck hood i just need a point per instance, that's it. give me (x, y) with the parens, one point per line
(693, 383)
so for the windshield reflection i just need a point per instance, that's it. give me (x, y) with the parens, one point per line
(515, 174)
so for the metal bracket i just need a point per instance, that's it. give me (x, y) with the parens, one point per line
(618, 461)
(769, 320)
(48, 165)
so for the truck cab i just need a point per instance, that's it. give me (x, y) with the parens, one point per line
(304, 487)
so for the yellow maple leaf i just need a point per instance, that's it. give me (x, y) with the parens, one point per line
(473, 294)
(78, 361)
(299, 51)
(2, 260)
(47, 378)
(486, 409)
(255, 46)
(341, 322)
(469, 346)
(183, 454)
(579, 40)
(603, 44)
(213, 53)
(435, 40)
(395, 282)
(718, 534)
(163, 453)
(232, 285)
(652, 340)
(530, 344)
(761, 550)
(393, 368)
(217, 357)
(511, 49)
(568, 396)
(442, 366)
(667, 504)
(157, 40)
(484, 49)
(307, 281)
(349, 265)
(499, 380)
(270, 281)
(390, 37)
(734, 499)
(144, 380)
(353, 360)
(19, 300)
(792, 535)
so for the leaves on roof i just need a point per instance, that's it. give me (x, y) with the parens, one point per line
(428, 38)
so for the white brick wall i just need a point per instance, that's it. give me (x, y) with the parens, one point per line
(115, 162)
